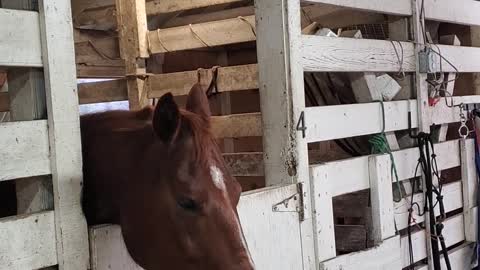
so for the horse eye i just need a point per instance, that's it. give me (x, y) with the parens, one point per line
(188, 204)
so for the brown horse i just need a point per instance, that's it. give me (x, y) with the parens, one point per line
(159, 174)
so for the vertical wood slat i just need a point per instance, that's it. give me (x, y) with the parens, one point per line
(278, 26)
(422, 98)
(132, 23)
(469, 186)
(64, 133)
(381, 198)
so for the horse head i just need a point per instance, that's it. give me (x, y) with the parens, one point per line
(187, 193)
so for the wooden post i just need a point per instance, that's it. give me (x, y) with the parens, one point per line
(475, 36)
(282, 100)
(421, 85)
(64, 133)
(132, 28)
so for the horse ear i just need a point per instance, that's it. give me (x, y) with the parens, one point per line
(166, 118)
(197, 101)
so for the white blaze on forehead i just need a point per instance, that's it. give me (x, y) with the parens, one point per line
(217, 178)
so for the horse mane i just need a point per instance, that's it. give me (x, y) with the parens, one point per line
(204, 142)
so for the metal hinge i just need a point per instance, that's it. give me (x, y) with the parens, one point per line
(294, 203)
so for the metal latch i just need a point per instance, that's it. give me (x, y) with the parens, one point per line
(294, 203)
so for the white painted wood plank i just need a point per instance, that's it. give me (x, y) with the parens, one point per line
(355, 55)
(463, 12)
(323, 213)
(460, 258)
(64, 133)
(469, 173)
(20, 45)
(108, 250)
(465, 59)
(25, 149)
(344, 182)
(272, 237)
(381, 197)
(262, 228)
(27, 242)
(384, 256)
(452, 194)
(342, 121)
(470, 187)
(393, 7)
(453, 233)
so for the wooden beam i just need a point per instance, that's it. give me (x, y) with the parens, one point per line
(132, 22)
(452, 194)
(235, 78)
(245, 164)
(64, 133)
(107, 91)
(28, 241)
(464, 12)
(406, 162)
(203, 35)
(237, 125)
(453, 233)
(460, 257)
(166, 6)
(20, 32)
(212, 16)
(346, 121)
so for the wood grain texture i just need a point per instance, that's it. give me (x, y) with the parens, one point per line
(452, 194)
(106, 91)
(64, 133)
(203, 35)
(166, 6)
(355, 55)
(25, 149)
(20, 32)
(405, 160)
(384, 256)
(237, 125)
(235, 78)
(465, 12)
(28, 242)
(132, 22)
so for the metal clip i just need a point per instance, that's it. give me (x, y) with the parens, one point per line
(463, 130)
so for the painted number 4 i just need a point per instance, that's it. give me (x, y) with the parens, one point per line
(301, 124)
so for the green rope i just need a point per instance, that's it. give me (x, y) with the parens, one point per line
(379, 145)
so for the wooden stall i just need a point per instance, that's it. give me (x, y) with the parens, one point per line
(317, 195)
(40, 147)
(282, 48)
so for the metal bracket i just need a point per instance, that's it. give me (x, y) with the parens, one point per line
(426, 61)
(294, 203)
